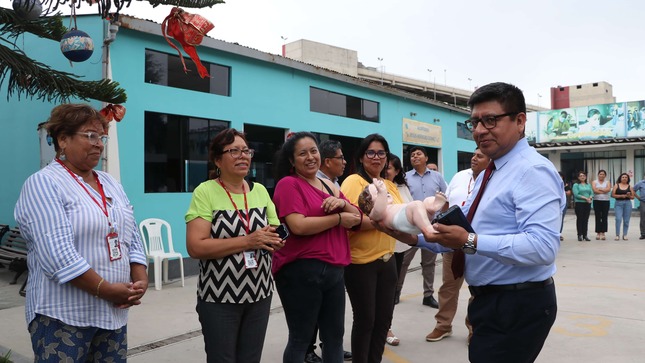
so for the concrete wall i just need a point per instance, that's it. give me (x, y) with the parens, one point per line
(591, 94)
(323, 55)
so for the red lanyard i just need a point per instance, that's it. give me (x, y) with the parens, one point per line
(247, 226)
(469, 191)
(103, 208)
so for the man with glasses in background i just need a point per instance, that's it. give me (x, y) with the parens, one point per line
(332, 161)
(510, 259)
(332, 167)
(423, 183)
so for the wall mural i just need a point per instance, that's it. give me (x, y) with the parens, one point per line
(596, 122)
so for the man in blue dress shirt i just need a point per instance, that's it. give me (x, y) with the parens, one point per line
(423, 182)
(510, 259)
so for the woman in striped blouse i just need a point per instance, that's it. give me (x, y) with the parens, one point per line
(86, 261)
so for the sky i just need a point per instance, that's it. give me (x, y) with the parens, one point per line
(535, 44)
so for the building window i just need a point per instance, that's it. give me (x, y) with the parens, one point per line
(595, 84)
(338, 104)
(176, 151)
(463, 132)
(167, 70)
(578, 87)
(463, 160)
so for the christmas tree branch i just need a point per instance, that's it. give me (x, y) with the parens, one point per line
(37, 80)
(50, 27)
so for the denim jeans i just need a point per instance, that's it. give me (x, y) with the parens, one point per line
(313, 292)
(623, 211)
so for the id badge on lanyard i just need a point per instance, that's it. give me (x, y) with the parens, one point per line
(249, 259)
(113, 245)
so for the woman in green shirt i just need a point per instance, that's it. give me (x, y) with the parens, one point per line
(582, 196)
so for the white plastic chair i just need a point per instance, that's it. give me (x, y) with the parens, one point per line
(154, 245)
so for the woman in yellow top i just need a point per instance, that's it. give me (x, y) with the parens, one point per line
(371, 277)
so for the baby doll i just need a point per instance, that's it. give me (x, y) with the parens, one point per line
(413, 217)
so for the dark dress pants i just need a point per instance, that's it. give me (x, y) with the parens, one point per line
(511, 326)
(583, 209)
(370, 287)
(601, 212)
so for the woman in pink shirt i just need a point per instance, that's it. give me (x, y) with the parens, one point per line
(309, 269)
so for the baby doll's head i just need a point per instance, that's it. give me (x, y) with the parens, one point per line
(366, 199)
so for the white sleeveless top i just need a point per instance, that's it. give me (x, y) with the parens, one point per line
(601, 196)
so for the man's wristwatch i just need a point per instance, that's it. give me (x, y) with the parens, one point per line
(469, 247)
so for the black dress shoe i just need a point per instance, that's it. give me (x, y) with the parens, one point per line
(347, 355)
(312, 357)
(586, 238)
(431, 302)
(641, 237)
(579, 238)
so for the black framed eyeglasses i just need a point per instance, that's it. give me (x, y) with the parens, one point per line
(489, 122)
(373, 154)
(341, 158)
(94, 137)
(236, 153)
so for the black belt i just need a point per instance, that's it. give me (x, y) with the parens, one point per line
(487, 289)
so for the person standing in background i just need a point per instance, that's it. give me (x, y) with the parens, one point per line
(396, 175)
(423, 183)
(601, 189)
(459, 190)
(332, 167)
(433, 167)
(623, 205)
(332, 161)
(582, 196)
(639, 190)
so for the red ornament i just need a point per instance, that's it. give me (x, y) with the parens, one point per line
(189, 30)
(113, 112)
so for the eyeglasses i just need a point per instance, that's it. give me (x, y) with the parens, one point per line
(489, 122)
(341, 158)
(94, 137)
(372, 154)
(236, 153)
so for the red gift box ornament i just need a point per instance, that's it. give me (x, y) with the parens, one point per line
(189, 30)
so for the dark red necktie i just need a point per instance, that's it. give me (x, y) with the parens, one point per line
(458, 258)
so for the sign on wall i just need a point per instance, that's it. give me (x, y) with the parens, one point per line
(596, 122)
(421, 133)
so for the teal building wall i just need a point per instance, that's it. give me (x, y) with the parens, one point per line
(262, 92)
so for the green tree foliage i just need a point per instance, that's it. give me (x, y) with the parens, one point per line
(24, 76)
